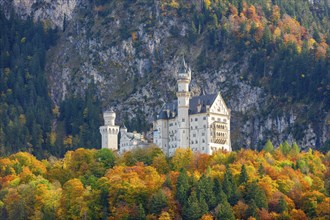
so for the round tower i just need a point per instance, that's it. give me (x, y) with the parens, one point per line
(109, 131)
(184, 77)
(109, 117)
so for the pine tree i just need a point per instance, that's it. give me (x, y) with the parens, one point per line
(182, 186)
(203, 206)
(295, 149)
(269, 146)
(220, 196)
(252, 210)
(261, 170)
(227, 183)
(192, 209)
(282, 205)
(157, 202)
(230, 188)
(261, 199)
(243, 178)
(204, 191)
(141, 215)
(255, 193)
(225, 211)
(285, 148)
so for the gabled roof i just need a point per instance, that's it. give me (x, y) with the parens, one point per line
(169, 110)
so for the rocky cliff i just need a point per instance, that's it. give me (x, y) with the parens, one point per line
(131, 50)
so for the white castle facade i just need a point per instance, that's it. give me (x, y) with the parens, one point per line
(110, 131)
(201, 123)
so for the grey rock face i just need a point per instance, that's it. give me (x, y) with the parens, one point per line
(53, 12)
(132, 52)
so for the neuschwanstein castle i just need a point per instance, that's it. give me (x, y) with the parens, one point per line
(201, 123)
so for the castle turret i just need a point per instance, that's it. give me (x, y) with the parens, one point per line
(123, 129)
(184, 77)
(109, 131)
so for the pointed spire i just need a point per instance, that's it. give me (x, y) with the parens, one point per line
(183, 66)
(202, 91)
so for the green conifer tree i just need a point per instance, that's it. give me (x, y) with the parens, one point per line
(204, 191)
(252, 210)
(157, 202)
(141, 215)
(282, 205)
(243, 177)
(192, 209)
(295, 149)
(261, 170)
(269, 146)
(182, 186)
(285, 148)
(225, 211)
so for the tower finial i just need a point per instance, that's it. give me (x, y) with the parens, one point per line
(183, 66)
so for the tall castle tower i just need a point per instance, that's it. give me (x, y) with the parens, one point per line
(109, 131)
(184, 77)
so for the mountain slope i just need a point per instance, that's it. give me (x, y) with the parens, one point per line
(269, 59)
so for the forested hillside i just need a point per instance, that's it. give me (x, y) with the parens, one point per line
(144, 184)
(25, 106)
(29, 120)
(269, 59)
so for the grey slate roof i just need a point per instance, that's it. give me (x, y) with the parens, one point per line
(170, 110)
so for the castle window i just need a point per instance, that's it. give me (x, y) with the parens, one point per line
(204, 118)
(183, 120)
(203, 141)
(194, 135)
(195, 127)
(203, 148)
(191, 119)
(196, 119)
(212, 118)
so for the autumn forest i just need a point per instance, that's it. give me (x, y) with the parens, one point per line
(49, 168)
(281, 183)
